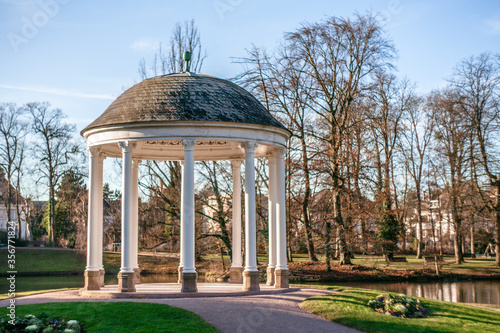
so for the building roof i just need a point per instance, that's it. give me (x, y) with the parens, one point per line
(185, 97)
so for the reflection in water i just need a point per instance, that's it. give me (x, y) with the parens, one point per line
(485, 292)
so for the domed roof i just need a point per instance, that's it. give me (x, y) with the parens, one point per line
(185, 97)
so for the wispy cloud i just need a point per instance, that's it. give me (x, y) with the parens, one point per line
(57, 91)
(144, 44)
(493, 24)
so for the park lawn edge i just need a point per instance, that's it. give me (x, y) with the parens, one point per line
(348, 306)
(120, 316)
(34, 292)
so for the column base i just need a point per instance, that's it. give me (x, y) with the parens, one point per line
(281, 278)
(101, 277)
(126, 282)
(137, 275)
(251, 281)
(270, 276)
(179, 274)
(235, 275)
(92, 280)
(189, 282)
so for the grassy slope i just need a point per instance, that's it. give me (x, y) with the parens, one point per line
(121, 316)
(47, 260)
(349, 308)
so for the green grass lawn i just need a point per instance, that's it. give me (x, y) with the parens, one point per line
(121, 316)
(46, 260)
(349, 308)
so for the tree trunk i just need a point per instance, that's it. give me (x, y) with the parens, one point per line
(18, 212)
(328, 249)
(8, 207)
(462, 242)
(344, 254)
(364, 245)
(305, 203)
(458, 248)
(497, 226)
(309, 240)
(472, 251)
(52, 217)
(419, 216)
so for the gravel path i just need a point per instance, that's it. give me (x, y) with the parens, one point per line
(237, 314)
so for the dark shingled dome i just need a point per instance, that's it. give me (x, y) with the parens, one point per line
(185, 97)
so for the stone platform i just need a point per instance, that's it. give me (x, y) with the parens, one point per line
(173, 290)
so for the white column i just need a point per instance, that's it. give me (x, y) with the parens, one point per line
(188, 232)
(281, 263)
(250, 209)
(100, 218)
(93, 263)
(127, 262)
(272, 211)
(100, 207)
(135, 214)
(236, 214)
(183, 185)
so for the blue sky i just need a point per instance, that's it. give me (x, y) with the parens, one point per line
(85, 53)
(80, 55)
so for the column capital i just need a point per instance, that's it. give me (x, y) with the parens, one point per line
(188, 143)
(279, 151)
(126, 146)
(236, 163)
(249, 145)
(271, 158)
(94, 151)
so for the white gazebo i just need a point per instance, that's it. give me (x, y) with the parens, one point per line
(188, 117)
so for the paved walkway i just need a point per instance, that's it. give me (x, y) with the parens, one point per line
(234, 314)
(173, 290)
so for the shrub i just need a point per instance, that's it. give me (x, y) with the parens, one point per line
(40, 324)
(398, 305)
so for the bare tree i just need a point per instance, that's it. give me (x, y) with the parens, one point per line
(12, 135)
(215, 201)
(19, 172)
(390, 101)
(451, 136)
(185, 37)
(416, 139)
(477, 80)
(53, 149)
(284, 87)
(340, 55)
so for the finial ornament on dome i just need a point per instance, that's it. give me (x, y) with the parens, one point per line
(187, 58)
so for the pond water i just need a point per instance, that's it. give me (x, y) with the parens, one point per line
(482, 291)
(485, 292)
